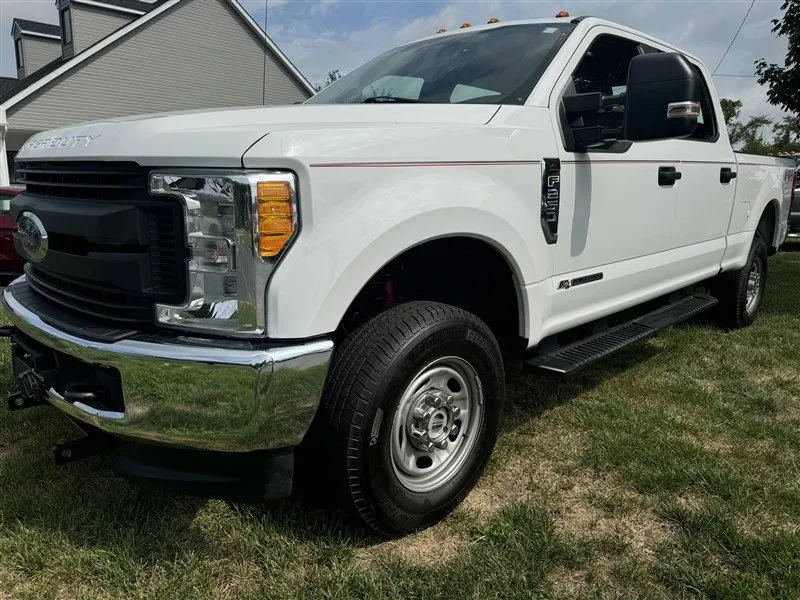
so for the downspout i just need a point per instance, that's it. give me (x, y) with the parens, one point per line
(4, 174)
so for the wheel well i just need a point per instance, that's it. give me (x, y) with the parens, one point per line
(766, 224)
(460, 271)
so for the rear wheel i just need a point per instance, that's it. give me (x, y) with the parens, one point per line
(740, 292)
(412, 407)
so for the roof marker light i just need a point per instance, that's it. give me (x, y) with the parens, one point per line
(562, 14)
(465, 25)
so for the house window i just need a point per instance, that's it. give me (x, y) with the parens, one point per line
(66, 26)
(20, 60)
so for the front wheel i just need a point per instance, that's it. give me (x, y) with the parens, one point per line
(412, 408)
(740, 292)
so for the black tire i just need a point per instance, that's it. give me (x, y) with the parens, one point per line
(730, 289)
(369, 373)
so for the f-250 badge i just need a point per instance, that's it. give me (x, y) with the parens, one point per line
(551, 198)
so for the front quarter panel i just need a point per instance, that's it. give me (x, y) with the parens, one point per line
(364, 216)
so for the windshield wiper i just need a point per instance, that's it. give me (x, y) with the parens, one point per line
(376, 99)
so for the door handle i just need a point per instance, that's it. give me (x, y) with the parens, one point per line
(726, 174)
(667, 176)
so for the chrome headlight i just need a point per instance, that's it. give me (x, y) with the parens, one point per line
(237, 226)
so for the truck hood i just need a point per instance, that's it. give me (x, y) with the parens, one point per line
(219, 138)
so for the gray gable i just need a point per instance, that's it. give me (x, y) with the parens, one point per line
(198, 54)
(274, 63)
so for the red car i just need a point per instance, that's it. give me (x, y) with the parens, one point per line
(10, 261)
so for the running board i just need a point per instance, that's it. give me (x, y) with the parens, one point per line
(565, 360)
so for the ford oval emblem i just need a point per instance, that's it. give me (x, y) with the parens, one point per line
(32, 236)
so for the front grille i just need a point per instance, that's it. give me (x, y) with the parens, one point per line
(115, 251)
(90, 182)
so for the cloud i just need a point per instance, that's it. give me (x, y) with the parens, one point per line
(323, 6)
(256, 7)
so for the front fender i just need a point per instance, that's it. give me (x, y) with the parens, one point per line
(363, 217)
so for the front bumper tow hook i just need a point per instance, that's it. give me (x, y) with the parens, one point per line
(19, 401)
(30, 392)
(85, 447)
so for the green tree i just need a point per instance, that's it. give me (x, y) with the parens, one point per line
(731, 110)
(329, 79)
(753, 136)
(749, 135)
(784, 81)
(787, 134)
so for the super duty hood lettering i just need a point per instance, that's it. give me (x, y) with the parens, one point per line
(60, 142)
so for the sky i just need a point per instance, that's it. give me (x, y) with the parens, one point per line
(322, 35)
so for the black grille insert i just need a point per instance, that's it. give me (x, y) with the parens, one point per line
(93, 181)
(115, 251)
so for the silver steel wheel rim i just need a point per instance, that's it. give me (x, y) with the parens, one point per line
(753, 286)
(445, 401)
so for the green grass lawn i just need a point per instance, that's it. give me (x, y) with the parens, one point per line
(671, 470)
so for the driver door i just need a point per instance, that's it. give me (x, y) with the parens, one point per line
(616, 222)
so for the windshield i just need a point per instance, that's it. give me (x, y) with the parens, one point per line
(492, 66)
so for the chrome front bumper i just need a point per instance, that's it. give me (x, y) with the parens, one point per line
(191, 395)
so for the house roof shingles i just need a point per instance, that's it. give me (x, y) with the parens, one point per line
(7, 84)
(37, 27)
(144, 7)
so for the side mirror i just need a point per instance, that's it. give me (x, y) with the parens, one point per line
(663, 97)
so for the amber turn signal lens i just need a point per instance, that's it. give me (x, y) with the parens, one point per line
(274, 209)
(275, 217)
(279, 191)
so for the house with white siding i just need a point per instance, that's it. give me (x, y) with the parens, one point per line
(115, 58)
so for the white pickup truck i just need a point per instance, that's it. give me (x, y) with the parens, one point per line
(208, 294)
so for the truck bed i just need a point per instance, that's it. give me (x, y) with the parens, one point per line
(763, 159)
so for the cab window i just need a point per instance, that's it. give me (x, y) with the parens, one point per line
(604, 69)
